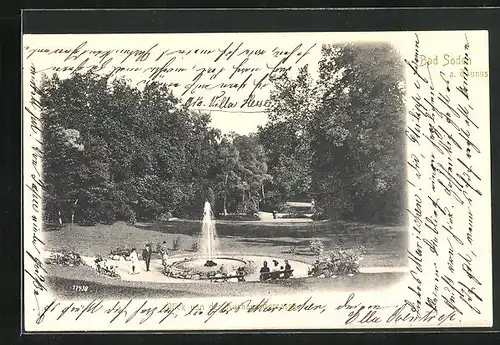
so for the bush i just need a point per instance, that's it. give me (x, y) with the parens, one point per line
(317, 247)
(103, 268)
(176, 244)
(338, 262)
(121, 251)
(132, 218)
(195, 247)
(318, 216)
(249, 268)
(65, 258)
(164, 217)
(158, 247)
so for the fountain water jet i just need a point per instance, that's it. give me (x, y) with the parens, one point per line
(203, 267)
(208, 239)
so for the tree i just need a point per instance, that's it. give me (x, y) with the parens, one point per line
(252, 171)
(287, 139)
(228, 164)
(358, 131)
(341, 136)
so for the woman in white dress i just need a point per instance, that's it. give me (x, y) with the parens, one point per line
(134, 260)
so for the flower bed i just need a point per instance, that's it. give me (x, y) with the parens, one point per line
(178, 270)
(115, 254)
(337, 262)
(102, 267)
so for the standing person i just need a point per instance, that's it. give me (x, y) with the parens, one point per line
(288, 269)
(163, 247)
(133, 260)
(164, 258)
(146, 255)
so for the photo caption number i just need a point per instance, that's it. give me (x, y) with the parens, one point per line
(80, 288)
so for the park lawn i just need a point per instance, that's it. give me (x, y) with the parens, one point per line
(62, 280)
(385, 246)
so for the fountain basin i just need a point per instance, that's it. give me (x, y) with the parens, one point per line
(196, 268)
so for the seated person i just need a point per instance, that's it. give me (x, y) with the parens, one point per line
(100, 264)
(241, 274)
(264, 272)
(220, 274)
(223, 270)
(314, 269)
(233, 276)
(275, 271)
(112, 270)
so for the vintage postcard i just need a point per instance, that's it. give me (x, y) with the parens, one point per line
(272, 181)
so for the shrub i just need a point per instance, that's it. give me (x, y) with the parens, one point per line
(317, 247)
(132, 218)
(195, 247)
(158, 247)
(121, 251)
(103, 268)
(284, 208)
(164, 217)
(338, 262)
(65, 258)
(176, 244)
(249, 268)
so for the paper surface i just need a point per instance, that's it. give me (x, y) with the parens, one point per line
(429, 268)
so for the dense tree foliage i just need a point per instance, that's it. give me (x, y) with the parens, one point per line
(113, 152)
(339, 140)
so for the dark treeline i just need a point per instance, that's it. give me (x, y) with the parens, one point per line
(113, 152)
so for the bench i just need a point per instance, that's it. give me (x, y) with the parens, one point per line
(276, 275)
(225, 278)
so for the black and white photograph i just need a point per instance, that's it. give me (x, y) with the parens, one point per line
(173, 176)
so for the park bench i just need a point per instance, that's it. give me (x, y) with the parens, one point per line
(105, 270)
(225, 278)
(276, 275)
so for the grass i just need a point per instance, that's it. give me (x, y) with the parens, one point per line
(385, 246)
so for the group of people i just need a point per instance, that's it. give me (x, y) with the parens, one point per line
(236, 275)
(146, 256)
(275, 270)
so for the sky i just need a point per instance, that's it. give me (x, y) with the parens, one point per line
(218, 59)
(241, 123)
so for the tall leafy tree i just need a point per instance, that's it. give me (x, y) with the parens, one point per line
(344, 132)
(287, 139)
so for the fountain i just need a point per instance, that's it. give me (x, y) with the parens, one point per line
(208, 239)
(210, 263)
